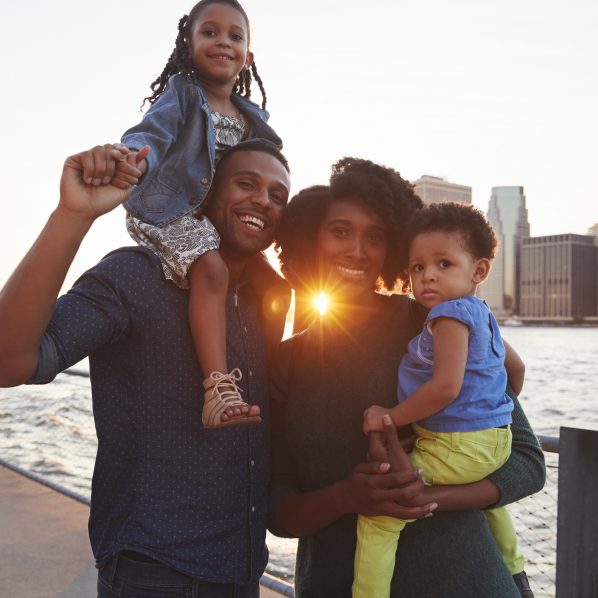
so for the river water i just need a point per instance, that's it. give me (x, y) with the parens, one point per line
(50, 431)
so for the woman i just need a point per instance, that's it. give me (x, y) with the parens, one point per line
(345, 238)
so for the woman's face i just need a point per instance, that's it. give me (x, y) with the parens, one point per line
(351, 249)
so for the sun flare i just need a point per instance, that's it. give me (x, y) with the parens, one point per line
(322, 303)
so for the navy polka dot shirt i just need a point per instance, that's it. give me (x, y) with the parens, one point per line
(192, 498)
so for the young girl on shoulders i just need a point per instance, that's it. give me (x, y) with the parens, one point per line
(452, 384)
(200, 107)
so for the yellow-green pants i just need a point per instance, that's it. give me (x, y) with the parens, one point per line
(446, 458)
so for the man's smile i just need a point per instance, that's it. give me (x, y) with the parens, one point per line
(252, 221)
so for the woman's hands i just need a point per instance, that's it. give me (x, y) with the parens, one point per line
(388, 484)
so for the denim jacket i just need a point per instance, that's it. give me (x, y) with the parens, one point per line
(178, 128)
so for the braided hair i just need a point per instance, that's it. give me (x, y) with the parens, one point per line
(180, 60)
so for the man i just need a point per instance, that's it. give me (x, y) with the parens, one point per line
(173, 505)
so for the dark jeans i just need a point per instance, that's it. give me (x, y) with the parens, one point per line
(130, 578)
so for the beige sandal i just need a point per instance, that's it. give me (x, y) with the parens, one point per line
(222, 392)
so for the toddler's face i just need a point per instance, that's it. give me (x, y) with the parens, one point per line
(442, 269)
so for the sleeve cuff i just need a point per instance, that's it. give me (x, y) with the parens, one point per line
(48, 362)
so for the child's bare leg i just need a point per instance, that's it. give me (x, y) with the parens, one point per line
(208, 285)
(208, 282)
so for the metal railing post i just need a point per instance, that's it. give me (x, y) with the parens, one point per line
(577, 521)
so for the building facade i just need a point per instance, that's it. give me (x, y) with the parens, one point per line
(433, 189)
(559, 277)
(507, 213)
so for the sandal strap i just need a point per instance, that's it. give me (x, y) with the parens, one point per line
(225, 392)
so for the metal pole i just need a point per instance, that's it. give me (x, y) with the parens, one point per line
(577, 520)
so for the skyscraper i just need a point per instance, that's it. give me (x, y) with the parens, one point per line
(507, 214)
(433, 189)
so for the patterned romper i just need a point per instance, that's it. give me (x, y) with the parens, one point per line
(179, 243)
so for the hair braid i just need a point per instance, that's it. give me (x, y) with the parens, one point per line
(259, 83)
(179, 61)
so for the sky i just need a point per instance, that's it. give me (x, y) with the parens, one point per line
(482, 92)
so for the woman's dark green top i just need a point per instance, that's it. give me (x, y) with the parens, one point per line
(322, 381)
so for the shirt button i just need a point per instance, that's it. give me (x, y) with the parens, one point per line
(252, 463)
(204, 180)
(252, 509)
(250, 373)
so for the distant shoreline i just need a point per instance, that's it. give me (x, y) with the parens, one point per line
(550, 323)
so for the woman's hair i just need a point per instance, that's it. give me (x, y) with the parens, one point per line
(181, 61)
(476, 233)
(378, 188)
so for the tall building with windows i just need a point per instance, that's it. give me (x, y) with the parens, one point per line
(433, 189)
(559, 277)
(507, 213)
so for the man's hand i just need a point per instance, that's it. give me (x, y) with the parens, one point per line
(88, 200)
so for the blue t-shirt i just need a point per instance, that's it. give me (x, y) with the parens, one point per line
(482, 402)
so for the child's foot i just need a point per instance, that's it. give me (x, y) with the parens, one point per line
(223, 405)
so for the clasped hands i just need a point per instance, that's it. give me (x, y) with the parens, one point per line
(387, 484)
(97, 180)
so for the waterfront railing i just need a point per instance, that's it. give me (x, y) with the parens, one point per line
(70, 422)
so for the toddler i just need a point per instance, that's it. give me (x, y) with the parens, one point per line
(452, 383)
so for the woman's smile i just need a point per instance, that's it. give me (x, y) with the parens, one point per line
(350, 272)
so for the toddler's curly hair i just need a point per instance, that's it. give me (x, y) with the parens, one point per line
(469, 222)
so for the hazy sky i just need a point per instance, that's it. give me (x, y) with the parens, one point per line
(482, 92)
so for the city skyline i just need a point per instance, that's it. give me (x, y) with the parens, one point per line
(559, 275)
(434, 189)
(483, 94)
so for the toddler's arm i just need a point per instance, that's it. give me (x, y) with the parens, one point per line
(451, 339)
(515, 368)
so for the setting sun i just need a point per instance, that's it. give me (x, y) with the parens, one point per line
(322, 303)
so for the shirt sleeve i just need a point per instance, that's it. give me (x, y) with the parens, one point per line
(282, 479)
(91, 315)
(524, 473)
(456, 309)
(161, 124)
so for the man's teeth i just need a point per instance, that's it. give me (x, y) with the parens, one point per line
(258, 222)
(350, 271)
